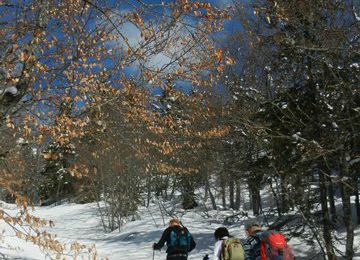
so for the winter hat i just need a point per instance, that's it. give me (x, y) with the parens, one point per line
(221, 232)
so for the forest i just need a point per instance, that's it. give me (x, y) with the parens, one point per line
(253, 106)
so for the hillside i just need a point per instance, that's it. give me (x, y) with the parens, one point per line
(74, 222)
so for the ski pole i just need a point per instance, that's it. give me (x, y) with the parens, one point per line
(153, 254)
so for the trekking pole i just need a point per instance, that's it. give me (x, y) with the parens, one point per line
(153, 254)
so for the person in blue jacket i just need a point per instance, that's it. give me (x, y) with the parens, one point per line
(178, 239)
(253, 241)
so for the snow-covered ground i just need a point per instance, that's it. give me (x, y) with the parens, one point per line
(74, 222)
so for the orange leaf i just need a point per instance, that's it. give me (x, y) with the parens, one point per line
(230, 61)
(218, 54)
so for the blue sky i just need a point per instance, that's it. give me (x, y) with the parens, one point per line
(130, 31)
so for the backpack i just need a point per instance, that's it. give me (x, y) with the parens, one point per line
(180, 239)
(273, 246)
(232, 249)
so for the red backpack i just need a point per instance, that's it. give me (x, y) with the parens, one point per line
(274, 247)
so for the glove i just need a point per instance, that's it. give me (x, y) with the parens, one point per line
(156, 247)
(206, 257)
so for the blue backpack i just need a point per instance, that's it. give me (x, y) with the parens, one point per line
(180, 239)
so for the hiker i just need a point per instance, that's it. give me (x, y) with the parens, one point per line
(178, 239)
(262, 245)
(252, 243)
(226, 247)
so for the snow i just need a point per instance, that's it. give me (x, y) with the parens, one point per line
(11, 89)
(155, 106)
(329, 106)
(297, 137)
(355, 65)
(354, 161)
(21, 141)
(80, 222)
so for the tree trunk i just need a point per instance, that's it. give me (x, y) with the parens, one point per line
(255, 197)
(223, 193)
(331, 195)
(284, 195)
(148, 191)
(206, 195)
(250, 196)
(308, 202)
(212, 198)
(256, 201)
(345, 195)
(357, 200)
(231, 194)
(238, 195)
(58, 199)
(326, 218)
(274, 192)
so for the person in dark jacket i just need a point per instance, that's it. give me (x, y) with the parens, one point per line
(253, 241)
(174, 250)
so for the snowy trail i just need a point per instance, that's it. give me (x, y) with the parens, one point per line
(74, 222)
(80, 223)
